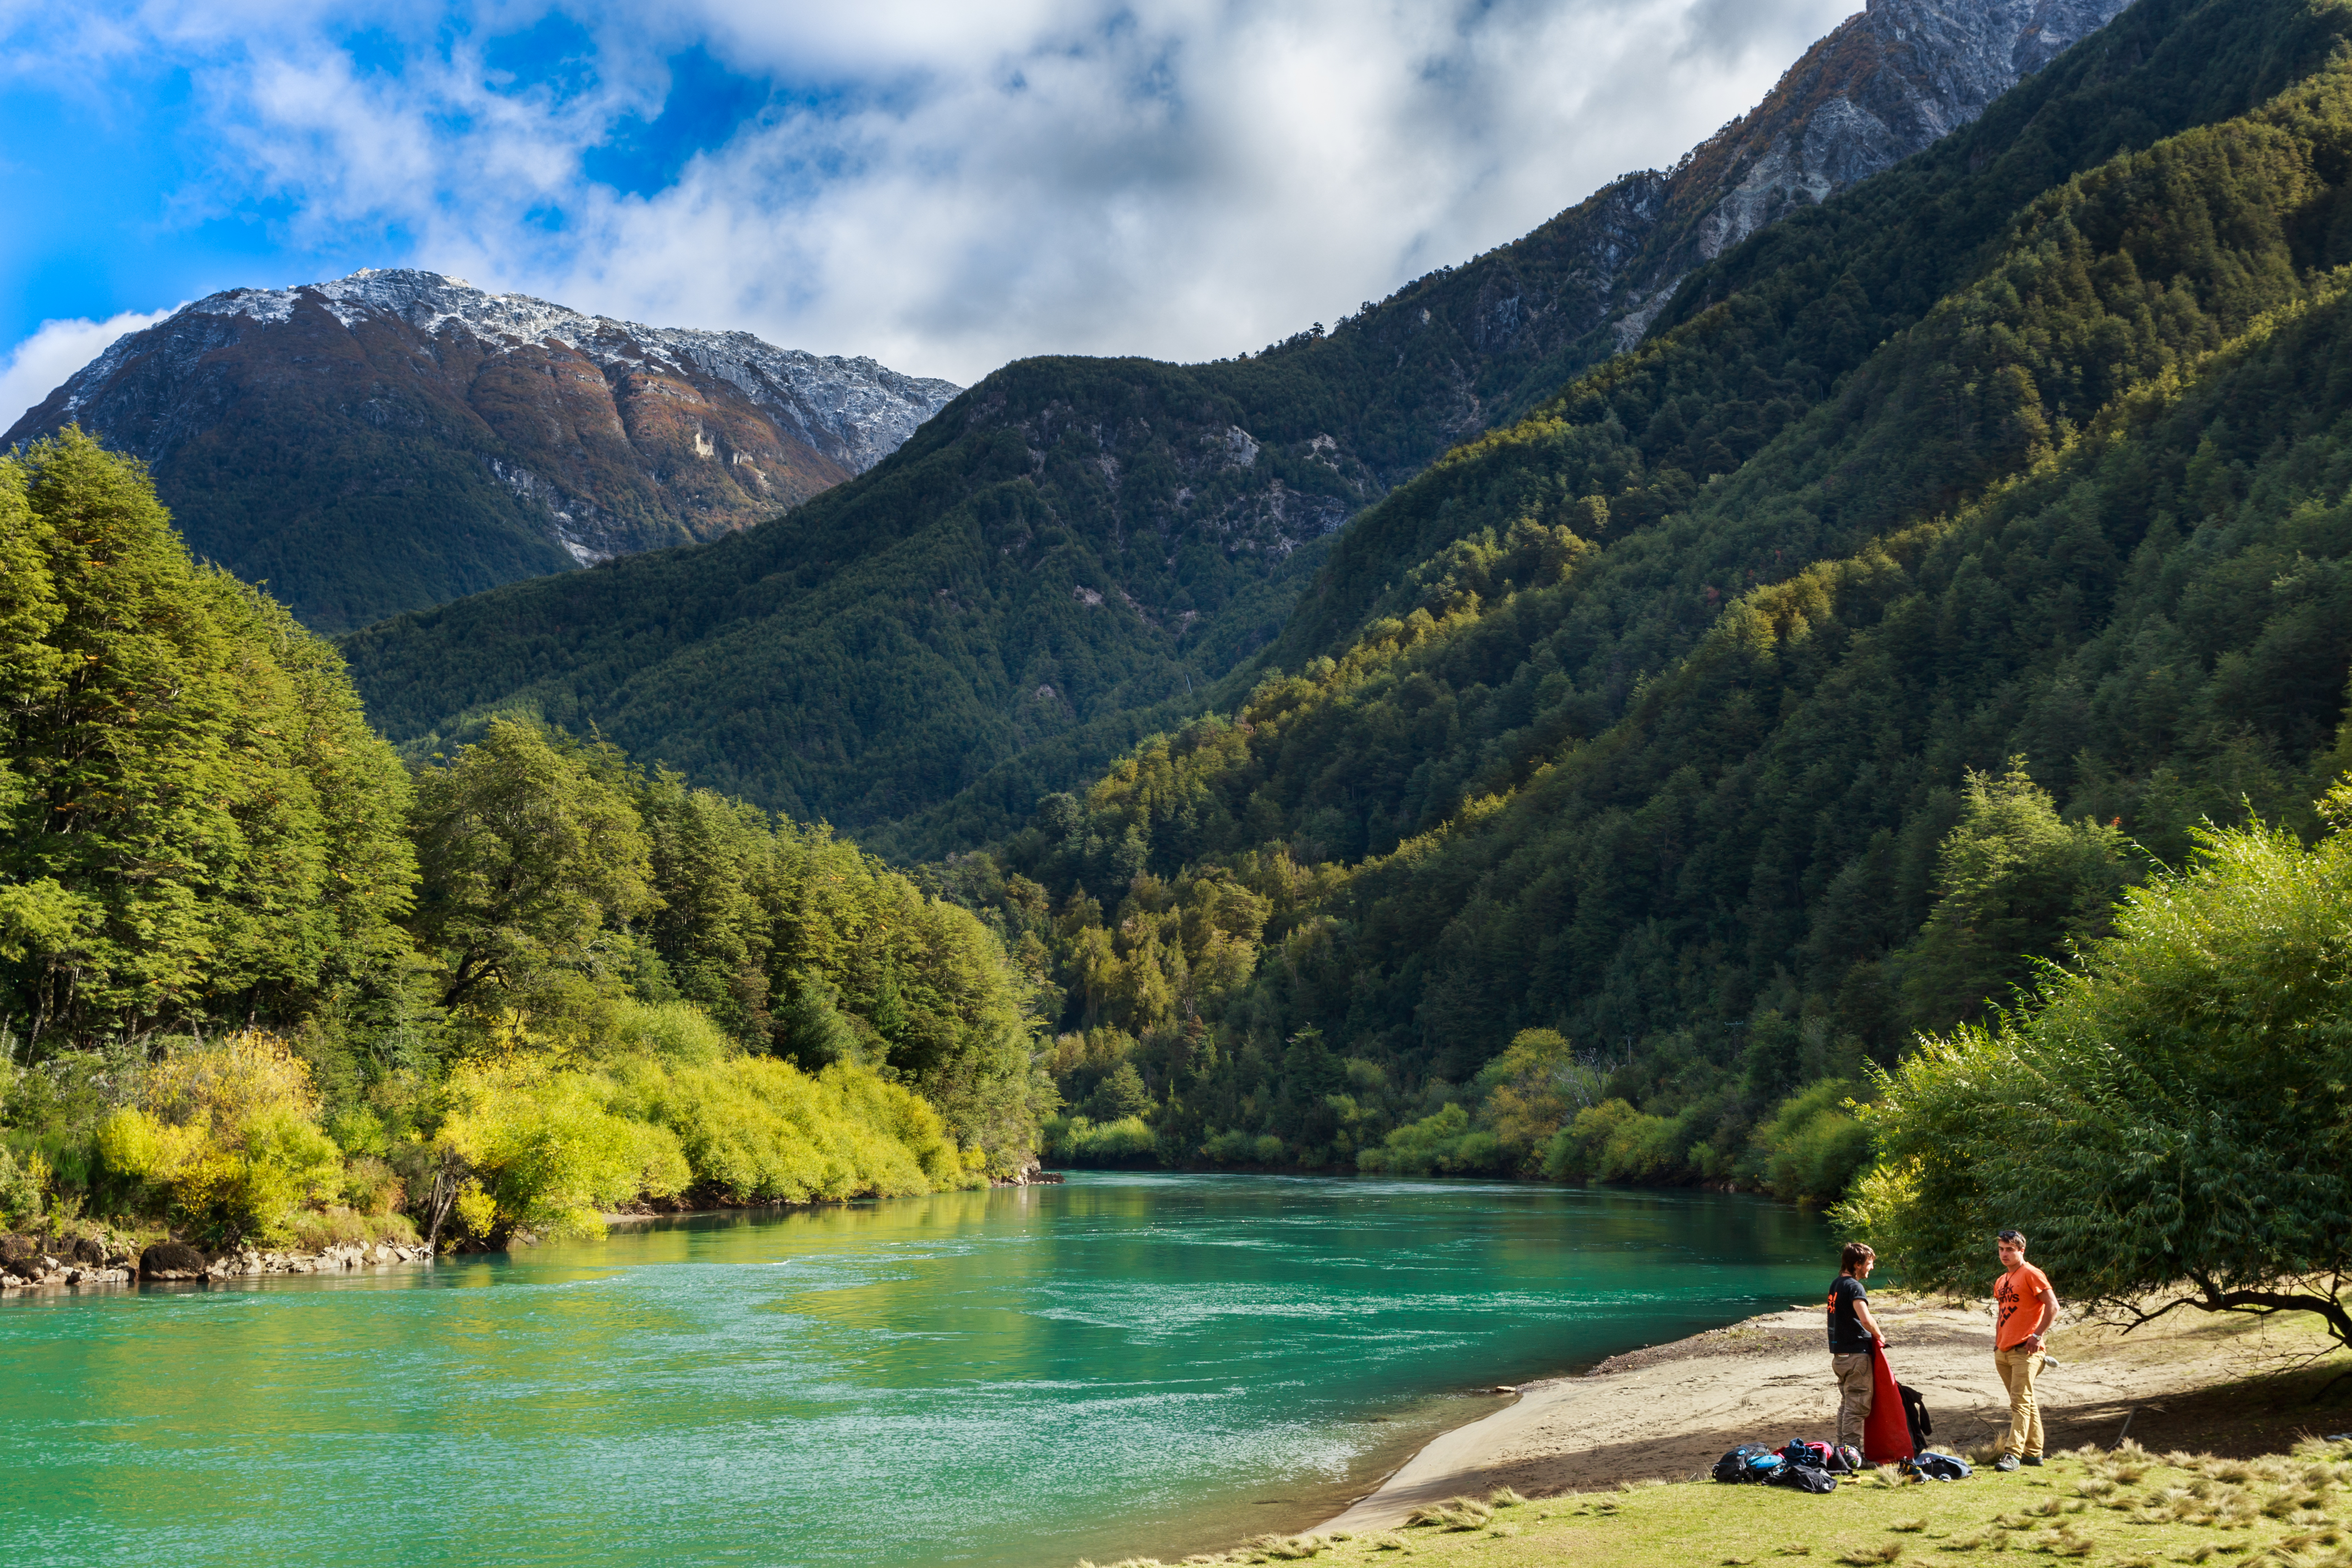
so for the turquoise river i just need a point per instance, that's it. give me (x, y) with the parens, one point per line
(1129, 1363)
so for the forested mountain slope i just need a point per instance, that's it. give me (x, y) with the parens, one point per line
(1075, 548)
(1650, 719)
(395, 439)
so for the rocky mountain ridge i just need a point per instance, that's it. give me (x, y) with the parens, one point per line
(1119, 489)
(397, 438)
(1888, 82)
(855, 410)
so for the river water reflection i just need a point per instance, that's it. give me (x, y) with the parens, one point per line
(1130, 1363)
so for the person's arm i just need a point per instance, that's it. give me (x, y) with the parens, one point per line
(1862, 1315)
(2047, 1298)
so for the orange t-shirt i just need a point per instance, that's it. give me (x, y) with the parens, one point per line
(2018, 1293)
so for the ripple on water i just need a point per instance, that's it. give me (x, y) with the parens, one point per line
(1129, 1361)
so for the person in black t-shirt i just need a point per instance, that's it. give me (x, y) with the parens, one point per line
(1852, 1333)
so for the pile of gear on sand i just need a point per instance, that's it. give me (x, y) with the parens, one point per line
(1881, 1422)
(1803, 1465)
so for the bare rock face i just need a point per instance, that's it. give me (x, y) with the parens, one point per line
(172, 1260)
(392, 439)
(1885, 84)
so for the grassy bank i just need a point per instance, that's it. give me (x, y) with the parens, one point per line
(2125, 1508)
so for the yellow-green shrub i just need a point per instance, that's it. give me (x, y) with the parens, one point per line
(226, 1135)
(1812, 1147)
(315, 1230)
(673, 1032)
(23, 1186)
(757, 1128)
(659, 1103)
(1080, 1140)
(1443, 1141)
(1614, 1141)
(548, 1153)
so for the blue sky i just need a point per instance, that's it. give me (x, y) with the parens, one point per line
(943, 186)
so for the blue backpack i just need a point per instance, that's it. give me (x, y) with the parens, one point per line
(1748, 1462)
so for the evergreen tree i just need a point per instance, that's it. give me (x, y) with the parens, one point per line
(199, 824)
(2013, 885)
(533, 867)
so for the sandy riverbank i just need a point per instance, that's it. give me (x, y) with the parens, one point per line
(1668, 1412)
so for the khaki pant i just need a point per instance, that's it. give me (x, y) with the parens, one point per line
(1854, 1379)
(2018, 1368)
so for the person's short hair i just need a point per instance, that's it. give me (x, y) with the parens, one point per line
(2014, 1237)
(1855, 1255)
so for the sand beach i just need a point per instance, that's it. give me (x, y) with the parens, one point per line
(1667, 1412)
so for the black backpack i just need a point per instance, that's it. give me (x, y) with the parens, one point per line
(1803, 1478)
(1939, 1467)
(1739, 1465)
(1915, 1411)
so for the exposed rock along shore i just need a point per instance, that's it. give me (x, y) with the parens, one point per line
(34, 1263)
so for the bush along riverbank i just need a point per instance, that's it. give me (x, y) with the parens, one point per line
(263, 987)
(227, 1144)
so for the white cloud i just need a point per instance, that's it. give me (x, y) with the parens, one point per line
(38, 365)
(946, 187)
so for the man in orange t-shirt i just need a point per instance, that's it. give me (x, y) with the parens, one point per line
(2026, 1307)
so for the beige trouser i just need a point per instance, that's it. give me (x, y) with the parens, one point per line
(2018, 1368)
(1854, 1377)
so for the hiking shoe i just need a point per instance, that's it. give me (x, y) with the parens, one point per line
(2033, 1459)
(2007, 1463)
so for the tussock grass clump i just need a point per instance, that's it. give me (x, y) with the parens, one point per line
(1908, 1526)
(2068, 1541)
(1456, 1513)
(2124, 1465)
(1865, 1556)
(1475, 1513)
(1285, 1548)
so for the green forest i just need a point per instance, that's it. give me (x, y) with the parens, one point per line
(1636, 786)
(1928, 648)
(1076, 553)
(263, 982)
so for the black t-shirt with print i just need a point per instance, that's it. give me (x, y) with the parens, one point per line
(1847, 1336)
